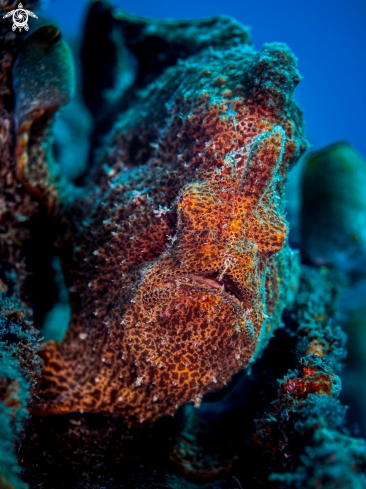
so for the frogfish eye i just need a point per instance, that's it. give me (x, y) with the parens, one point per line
(49, 34)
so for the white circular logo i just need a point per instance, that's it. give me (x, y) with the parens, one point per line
(20, 18)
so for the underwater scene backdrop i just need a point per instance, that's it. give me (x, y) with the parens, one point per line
(182, 245)
(327, 37)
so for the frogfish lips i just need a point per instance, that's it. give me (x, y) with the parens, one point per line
(223, 288)
(225, 284)
(202, 308)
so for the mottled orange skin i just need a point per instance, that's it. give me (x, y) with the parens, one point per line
(160, 229)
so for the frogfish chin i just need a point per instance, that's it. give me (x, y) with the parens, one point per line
(175, 249)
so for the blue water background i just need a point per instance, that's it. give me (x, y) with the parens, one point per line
(328, 38)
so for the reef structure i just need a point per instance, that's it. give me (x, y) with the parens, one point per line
(175, 248)
(19, 375)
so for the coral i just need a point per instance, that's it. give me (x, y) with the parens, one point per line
(16, 205)
(330, 456)
(20, 339)
(175, 248)
(303, 436)
(314, 315)
(26, 250)
(14, 395)
(19, 368)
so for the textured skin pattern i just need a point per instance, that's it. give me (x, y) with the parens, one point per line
(175, 252)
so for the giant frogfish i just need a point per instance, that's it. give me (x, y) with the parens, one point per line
(174, 246)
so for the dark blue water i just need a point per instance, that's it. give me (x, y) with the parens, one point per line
(328, 38)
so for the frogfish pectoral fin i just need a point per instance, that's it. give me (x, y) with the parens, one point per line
(60, 391)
